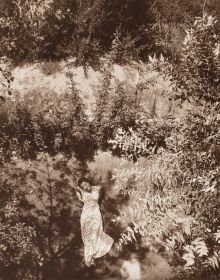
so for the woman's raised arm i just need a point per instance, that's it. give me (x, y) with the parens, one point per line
(78, 193)
(100, 190)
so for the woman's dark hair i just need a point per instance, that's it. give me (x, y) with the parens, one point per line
(83, 179)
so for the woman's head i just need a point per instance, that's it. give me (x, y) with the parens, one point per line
(133, 257)
(84, 184)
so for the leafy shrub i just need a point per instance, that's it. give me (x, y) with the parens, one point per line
(196, 76)
(115, 107)
(128, 47)
(42, 122)
(144, 140)
(18, 254)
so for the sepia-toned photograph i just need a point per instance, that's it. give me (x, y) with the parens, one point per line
(109, 140)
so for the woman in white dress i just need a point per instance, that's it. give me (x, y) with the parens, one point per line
(96, 242)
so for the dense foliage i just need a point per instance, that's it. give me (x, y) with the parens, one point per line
(37, 122)
(176, 196)
(88, 29)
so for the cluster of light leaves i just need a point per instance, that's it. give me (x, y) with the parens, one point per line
(145, 139)
(5, 83)
(127, 141)
(199, 248)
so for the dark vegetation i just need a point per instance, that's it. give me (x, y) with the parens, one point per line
(88, 30)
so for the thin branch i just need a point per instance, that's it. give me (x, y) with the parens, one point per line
(204, 6)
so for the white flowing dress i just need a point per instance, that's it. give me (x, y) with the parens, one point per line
(96, 242)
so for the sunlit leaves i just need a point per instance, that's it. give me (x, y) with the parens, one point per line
(5, 83)
(129, 142)
(214, 260)
(196, 76)
(217, 236)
